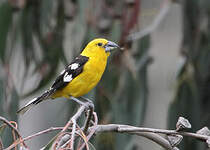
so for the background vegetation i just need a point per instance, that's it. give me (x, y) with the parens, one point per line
(39, 37)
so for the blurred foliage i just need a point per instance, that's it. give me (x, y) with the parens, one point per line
(192, 99)
(37, 30)
(5, 22)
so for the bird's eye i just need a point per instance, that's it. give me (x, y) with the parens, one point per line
(99, 44)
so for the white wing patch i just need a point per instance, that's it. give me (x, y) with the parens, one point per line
(74, 66)
(62, 71)
(67, 77)
(31, 101)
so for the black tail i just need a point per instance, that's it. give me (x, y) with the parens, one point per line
(36, 101)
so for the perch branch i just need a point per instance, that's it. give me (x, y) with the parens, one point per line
(92, 126)
(88, 104)
(132, 129)
(149, 133)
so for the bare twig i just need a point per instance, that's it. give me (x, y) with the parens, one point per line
(63, 141)
(13, 128)
(84, 137)
(74, 119)
(10, 125)
(76, 131)
(87, 122)
(34, 135)
(131, 129)
(76, 116)
(92, 131)
(149, 133)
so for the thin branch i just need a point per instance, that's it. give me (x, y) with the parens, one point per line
(74, 119)
(132, 129)
(149, 133)
(90, 114)
(34, 135)
(13, 128)
(93, 130)
(10, 125)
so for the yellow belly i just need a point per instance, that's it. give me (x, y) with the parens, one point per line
(85, 81)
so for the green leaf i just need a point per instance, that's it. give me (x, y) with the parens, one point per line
(9, 113)
(5, 23)
(116, 30)
(50, 144)
(27, 23)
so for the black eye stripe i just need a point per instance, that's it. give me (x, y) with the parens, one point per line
(99, 44)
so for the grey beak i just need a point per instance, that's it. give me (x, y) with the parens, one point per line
(110, 46)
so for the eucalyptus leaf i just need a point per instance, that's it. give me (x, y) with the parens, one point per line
(50, 144)
(5, 24)
(2, 127)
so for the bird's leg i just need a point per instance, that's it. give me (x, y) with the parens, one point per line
(88, 111)
(88, 104)
(77, 100)
(85, 99)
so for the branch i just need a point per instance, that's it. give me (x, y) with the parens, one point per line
(88, 120)
(149, 133)
(132, 129)
(174, 137)
(72, 132)
(87, 105)
(10, 125)
(34, 135)
(12, 128)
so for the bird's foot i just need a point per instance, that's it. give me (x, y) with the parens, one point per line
(88, 103)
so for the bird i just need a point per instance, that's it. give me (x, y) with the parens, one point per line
(80, 76)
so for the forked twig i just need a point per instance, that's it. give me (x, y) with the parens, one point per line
(13, 129)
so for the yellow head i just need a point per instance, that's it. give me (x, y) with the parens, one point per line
(99, 47)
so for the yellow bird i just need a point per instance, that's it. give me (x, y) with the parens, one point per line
(80, 76)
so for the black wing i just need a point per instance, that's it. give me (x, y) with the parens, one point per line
(69, 73)
(66, 76)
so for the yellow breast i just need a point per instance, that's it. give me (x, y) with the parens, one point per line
(87, 80)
